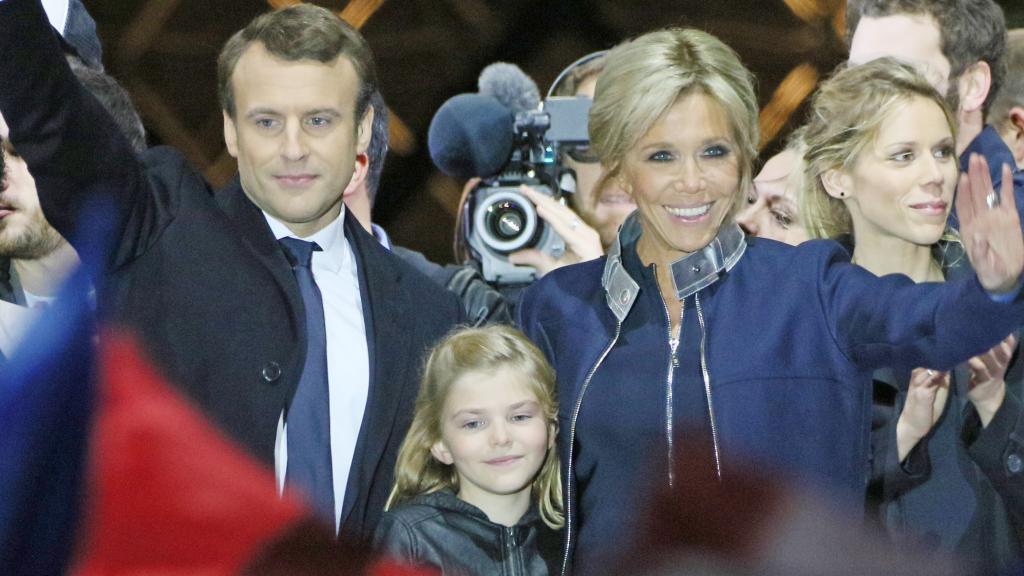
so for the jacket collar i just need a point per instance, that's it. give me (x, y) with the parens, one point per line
(990, 145)
(445, 499)
(690, 273)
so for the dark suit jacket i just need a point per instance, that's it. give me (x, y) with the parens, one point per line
(200, 278)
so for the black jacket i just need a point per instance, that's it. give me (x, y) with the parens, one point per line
(482, 303)
(198, 276)
(439, 530)
(961, 488)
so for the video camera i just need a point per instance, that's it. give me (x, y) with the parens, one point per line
(485, 135)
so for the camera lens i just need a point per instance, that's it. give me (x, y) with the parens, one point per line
(506, 220)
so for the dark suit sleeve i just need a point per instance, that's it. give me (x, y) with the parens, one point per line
(998, 449)
(73, 149)
(889, 476)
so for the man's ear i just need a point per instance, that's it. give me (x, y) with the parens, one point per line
(441, 453)
(365, 131)
(230, 135)
(973, 86)
(837, 183)
(360, 170)
(1015, 123)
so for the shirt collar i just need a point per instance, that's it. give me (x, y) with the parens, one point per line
(330, 238)
(381, 235)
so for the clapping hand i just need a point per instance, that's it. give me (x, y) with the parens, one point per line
(581, 241)
(990, 226)
(987, 386)
(926, 398)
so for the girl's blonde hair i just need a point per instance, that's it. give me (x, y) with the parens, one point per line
(846, 115)
(644, 77)
(485, 349)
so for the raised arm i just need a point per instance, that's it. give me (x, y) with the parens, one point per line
(990, 226)
(889, 321)
(73, 149)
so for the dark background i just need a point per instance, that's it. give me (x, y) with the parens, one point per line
(164, 52)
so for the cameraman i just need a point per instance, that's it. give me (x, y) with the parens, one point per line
(606, 209)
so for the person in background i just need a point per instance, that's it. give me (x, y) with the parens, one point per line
(1007, 112)
(959, 46)
(35, 259)
(773, 209)
(603, 207)
(880, 174)
(765, 348)
(477, 486)
(481, 302)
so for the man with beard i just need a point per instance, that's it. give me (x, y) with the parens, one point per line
(34, 257)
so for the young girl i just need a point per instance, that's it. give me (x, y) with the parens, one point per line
(477, 482)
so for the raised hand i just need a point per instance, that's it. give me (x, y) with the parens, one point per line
(581, 241)
(990, 226)
(987, 387)
(926, 398)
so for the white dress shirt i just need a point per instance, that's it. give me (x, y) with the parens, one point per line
(348, 361)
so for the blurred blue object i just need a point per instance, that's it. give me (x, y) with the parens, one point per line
(47, 393)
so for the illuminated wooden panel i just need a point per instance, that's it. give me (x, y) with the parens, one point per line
(809, 10)
(795, 87)
(357, 12)
(401, 139)
(161, 116)
(144, 30)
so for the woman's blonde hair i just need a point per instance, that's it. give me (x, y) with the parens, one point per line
(467, 350)
(644, 77)
(847, 113)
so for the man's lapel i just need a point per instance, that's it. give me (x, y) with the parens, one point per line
(384, 306)
(251, 227)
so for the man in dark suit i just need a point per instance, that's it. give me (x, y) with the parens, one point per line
(223, 307)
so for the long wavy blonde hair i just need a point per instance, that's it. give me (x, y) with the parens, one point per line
(467, 350)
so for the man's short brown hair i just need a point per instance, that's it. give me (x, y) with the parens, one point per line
(970, 31)
(299, 32)
(1012, 92)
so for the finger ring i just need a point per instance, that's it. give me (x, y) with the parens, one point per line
(931, 373)
(992, 199)
(575, 223)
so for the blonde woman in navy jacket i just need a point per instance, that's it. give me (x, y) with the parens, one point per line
(687, 324)
(942, 462)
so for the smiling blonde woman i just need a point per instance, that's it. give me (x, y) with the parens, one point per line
(673, 332)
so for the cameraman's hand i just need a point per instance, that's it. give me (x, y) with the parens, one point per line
(581, 241)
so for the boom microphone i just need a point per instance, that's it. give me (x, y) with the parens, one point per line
(471, 135)
(509, 85)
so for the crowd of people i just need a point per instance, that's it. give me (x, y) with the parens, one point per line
(843, 322)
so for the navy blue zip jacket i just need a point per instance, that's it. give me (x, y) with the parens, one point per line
(778, 344)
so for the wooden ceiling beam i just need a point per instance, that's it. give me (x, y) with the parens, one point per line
(144, 30)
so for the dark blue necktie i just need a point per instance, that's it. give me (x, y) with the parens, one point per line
(309, 415)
